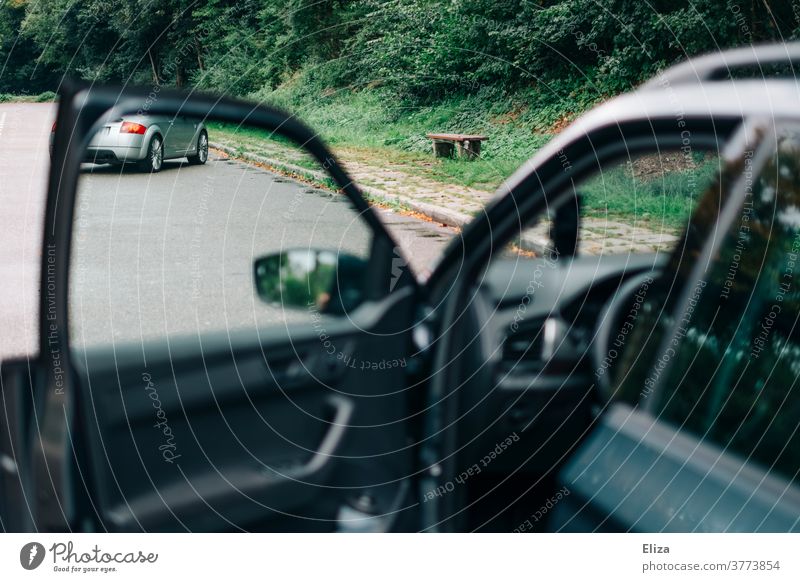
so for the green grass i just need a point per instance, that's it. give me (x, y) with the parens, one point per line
(46, 97)
(665, 199)
(255, 141)
(372, 122)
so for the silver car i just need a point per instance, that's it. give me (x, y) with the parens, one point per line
(148, 140)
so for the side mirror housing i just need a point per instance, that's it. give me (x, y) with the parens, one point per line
(329, 281)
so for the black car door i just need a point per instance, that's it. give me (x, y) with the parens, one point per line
(274, 420)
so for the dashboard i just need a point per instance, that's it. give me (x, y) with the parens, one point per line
(527, 362)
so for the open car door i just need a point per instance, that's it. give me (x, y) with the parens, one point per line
(169, 396)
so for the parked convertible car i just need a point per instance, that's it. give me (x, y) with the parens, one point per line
(652, 390)
(147, 140)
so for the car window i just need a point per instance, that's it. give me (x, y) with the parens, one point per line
(639, 204)
(728, 370)
(167, 248)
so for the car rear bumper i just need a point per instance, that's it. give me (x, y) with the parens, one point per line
(105, 155)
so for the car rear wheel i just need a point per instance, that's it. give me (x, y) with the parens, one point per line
(202, 150)
(155, 155)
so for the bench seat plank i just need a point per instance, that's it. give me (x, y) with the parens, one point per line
(457, 136)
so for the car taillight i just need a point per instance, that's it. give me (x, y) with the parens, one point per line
(53, 130)
(131, 127)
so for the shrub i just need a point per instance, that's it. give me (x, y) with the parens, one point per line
(46, 97)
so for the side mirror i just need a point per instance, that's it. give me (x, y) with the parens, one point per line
(329, 281)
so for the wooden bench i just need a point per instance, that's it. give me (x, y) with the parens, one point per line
(445, 144)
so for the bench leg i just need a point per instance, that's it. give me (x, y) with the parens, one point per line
(442, 149)
(469, 150)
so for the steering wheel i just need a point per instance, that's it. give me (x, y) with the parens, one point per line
(626, 302)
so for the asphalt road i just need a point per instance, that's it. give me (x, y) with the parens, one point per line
(169, 253)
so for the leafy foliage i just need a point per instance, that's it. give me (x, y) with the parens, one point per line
(559, 56)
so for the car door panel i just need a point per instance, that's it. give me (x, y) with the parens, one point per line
(15, 431)
(636, 473)
(235, 433)
(183, 130)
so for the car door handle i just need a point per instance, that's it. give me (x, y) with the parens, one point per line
(340, 412)
(305, 370)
